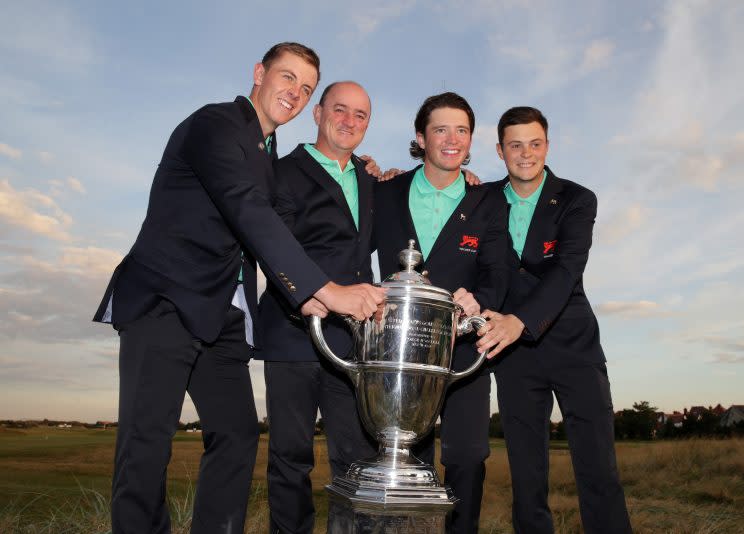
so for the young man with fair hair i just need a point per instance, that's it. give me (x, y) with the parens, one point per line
(184, 299)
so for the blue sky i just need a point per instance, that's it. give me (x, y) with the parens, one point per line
(645, 104)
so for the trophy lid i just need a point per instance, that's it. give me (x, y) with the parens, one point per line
(410, 280)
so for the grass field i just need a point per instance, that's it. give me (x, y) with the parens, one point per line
(56, 481)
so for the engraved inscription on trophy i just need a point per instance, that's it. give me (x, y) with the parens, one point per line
(420, 333)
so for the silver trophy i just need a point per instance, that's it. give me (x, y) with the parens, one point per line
(401, 371)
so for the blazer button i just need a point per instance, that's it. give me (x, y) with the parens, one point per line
(522, 270)
(359, 273)
(292, 288)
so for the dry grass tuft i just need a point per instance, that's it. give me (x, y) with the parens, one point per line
(57, 482)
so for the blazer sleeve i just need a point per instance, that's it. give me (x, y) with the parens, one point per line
(235, 180)
(284, 201)
(493, 272)
(548, 298)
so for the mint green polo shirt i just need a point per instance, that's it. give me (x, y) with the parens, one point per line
(431, 208)
(521, 212)
(346, 178)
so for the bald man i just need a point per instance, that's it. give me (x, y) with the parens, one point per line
(324, 195)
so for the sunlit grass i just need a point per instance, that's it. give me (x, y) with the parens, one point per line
(57, 481)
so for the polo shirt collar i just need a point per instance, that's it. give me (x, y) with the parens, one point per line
(325, 160)
(423, 185)
(512, 197)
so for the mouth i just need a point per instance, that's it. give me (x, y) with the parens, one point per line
(285, 104)
(451, 151)
(526, 165)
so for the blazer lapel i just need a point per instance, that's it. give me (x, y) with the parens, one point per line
(405, 209)
(545, 212)
(456, 221)
(316, 171)
(364, 188)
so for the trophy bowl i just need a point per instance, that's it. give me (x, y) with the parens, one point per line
(401, 371)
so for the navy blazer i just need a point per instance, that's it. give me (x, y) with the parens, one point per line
(210, 198)
(546, 289)
(313, 206)
(470, 251)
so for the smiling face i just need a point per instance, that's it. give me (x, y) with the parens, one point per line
(342, 120)
(446, 139)
(282, 90)
(523, 149)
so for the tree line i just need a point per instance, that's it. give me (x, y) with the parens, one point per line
(643, 422)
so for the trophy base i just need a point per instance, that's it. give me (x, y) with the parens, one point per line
(391, 497)
(347, 515)
(393, 493)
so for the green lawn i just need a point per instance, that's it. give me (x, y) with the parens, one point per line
(57, 481)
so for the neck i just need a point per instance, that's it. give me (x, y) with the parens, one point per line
(342, 156)
(440, 178)
(268, 126)
(526, 188)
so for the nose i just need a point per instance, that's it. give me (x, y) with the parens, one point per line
(294, 91)
(348, 119)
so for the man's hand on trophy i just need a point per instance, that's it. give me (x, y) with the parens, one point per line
(471, 178)
(467, 301)
(314, 307)
(500, 332)
(358, 300)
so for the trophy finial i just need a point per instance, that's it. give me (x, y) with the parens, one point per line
(409, 258)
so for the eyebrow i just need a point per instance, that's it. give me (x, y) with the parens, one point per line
(530, 141)
(467, 127)
(355, 110)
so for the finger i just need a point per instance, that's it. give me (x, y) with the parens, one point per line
(493, 353)
(365, 157)
(459, 293)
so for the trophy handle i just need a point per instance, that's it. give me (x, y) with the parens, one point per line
(316, 332)
(465, 327)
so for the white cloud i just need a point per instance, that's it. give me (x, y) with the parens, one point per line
(45, 157)
(629, 309)
(33, 211)
(597, 55)
(56, 39)
(623, 223)
(9, 151)
(683, 117)
(366, 18)
(727, 357)
(76, 185)
(61, 294)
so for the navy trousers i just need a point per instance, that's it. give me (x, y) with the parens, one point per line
(159, 361)
(526, 383)
(465, 448)
(294, 393)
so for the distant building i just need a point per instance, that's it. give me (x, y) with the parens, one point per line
(732, 416)
(675, 417)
